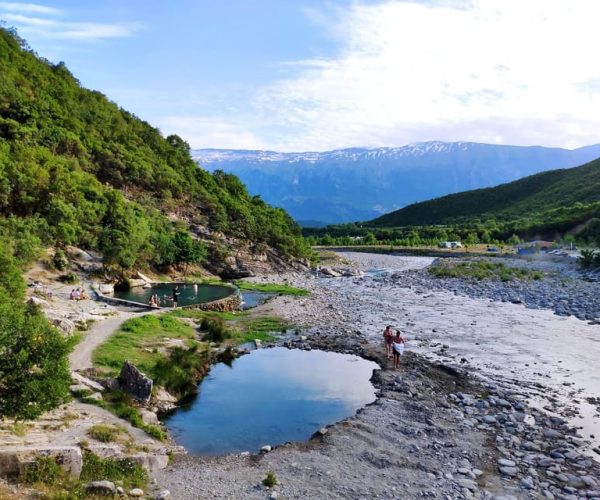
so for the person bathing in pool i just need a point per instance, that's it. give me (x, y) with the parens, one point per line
(397, 348)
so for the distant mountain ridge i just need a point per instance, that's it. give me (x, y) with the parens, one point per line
(354, 184)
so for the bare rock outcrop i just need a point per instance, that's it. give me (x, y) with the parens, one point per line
(135, 383)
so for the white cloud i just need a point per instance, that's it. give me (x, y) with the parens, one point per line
(29, 8)
(51, 28)
(39, 21)
(212, 132)
(503, 71)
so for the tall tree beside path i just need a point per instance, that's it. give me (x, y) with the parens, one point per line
(34, 374)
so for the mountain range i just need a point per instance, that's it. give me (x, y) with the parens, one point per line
(346, 185)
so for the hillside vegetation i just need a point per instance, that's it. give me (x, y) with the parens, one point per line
(559, 204)
(569, 190)
(77, 169)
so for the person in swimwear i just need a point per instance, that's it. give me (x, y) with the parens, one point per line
(397, 348)
(387, 340)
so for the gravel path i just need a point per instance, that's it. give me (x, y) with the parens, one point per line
(81, 357)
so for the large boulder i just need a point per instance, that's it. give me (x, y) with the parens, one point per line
(106, 288)
(103, 488)
(36, 301)
(14, 459)
(135, 383)
(143, 277)
(237, 271)
(133, 282)
(149, 417)
(328, 271)
(90, 384)
(152, 461)
(63, 324)
(164, 401)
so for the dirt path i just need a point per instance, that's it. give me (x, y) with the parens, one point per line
(81, 357)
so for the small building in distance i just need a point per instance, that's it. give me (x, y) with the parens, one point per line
(450, 244)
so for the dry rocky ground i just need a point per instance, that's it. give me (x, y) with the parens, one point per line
(436, 430)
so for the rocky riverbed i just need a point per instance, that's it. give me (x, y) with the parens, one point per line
(474, 411)
(562, 288)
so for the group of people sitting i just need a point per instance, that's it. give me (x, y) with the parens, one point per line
(394, 345)
(154, 301)
(78, 294)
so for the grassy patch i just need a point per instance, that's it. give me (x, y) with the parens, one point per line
(140, 341)
(481, 270)
(74, 339)
(44, 471)
(130, 473)
(198, 314)
(180, 372)
(69, 278)
(215, 328)
(69, 417)
(240, 327)
(121, 405)
(107, 433)
(260, 328)
(19, 429)
(270, 479)
(52, 481)
(274, 288)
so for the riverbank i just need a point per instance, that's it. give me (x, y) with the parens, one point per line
(448, 423)
(482, 406)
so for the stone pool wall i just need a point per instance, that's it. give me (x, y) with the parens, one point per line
(230, 303)
(227, 304)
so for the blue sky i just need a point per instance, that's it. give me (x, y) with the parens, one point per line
(299, 75)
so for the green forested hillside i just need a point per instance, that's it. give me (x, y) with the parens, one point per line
(77, 169)
(558, 196)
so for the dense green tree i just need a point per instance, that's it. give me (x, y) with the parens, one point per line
(472, 239)
(188, 250)
(370, 239)
(34, 373)
(513, 240)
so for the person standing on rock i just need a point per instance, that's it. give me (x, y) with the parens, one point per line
(175, 296)
(387, 340)
(397, 348)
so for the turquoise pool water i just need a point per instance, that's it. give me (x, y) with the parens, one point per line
(252, 298)
(271, 396)
(188, 294)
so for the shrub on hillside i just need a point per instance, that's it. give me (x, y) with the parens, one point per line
(180, 372)
(215, 328)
